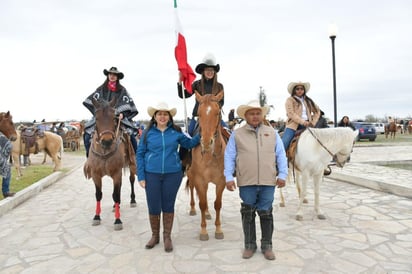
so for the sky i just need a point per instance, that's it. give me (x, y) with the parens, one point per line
(53, 53)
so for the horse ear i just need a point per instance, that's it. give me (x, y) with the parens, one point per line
(220, 95)
(198, 96)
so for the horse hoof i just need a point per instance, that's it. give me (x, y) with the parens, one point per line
(204, 237)
(192, 212)
(208, 217)
(299, 217)
(219, 235)
(96, 220)
(118, 225)
(305, 201)
(321, 217)
(282, 204)
(133, 204)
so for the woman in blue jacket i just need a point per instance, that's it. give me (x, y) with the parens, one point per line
(160, 169)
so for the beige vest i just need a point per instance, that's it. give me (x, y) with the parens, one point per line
(256, 159)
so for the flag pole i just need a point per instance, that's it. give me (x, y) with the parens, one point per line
(181, 83)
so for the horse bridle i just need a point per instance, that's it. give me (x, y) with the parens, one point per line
(334, 157)
(217, 131)
(114, 135)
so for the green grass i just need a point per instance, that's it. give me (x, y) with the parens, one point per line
(34, 173)
(31, 174)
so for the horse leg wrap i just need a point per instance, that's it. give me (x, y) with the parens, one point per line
(167, 230)
(249, 227)
(266, 226)
(155, 226)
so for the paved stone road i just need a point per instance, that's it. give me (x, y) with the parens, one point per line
(366, 231)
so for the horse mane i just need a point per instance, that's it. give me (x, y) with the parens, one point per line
(328, 136)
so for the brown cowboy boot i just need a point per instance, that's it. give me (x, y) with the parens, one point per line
(167, 229)
(155, 225)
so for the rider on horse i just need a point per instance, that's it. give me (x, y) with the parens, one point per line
(125, 107)
(208, 84)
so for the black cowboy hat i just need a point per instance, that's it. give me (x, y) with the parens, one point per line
(114, 70)
(209, 61)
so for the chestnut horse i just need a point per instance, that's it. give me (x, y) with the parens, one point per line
(7, 126)
(110, 151)
(49, 142)
(207, 161)
(390, 129)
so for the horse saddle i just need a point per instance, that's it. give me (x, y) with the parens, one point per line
(291, 151)
(28, 137)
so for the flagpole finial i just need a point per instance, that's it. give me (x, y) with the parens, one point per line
(175, 3)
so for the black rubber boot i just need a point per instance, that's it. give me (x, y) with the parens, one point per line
(249, 230)
(266, 226)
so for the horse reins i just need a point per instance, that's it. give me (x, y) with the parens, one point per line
(115, 136)
(322, 145)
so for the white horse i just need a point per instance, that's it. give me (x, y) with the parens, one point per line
(315, 150)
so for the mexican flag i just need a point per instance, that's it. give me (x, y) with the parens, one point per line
(188, 76)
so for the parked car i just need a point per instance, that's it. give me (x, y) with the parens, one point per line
(380, 128)
(366, 131)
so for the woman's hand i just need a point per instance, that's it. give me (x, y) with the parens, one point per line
(142, 183)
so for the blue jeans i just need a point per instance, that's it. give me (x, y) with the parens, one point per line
(288, 136)
(259, 197)
(161, 191)
(6, 184)
(193, 122)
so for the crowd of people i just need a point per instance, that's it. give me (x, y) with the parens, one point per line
(159, 165)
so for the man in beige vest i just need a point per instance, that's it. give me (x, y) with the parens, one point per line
(257, 153)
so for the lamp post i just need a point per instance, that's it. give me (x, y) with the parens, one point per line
(332, 35)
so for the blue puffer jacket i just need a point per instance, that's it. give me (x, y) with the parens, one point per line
(158, 151)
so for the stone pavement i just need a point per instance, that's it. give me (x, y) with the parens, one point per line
(366, 230)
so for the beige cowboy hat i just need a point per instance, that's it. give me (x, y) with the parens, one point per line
(162, 106)
(292, 85)
(113, 70)
(209, 61)
(242, 109)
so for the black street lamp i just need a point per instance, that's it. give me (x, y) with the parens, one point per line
(332, 35)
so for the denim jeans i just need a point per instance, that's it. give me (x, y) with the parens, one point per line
(161, 191)
(288, 136)
(260, 197)
(6, 184)
(193, 122)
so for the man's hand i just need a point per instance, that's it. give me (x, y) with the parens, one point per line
(231, 186)
(142, 183)
(121, 116)
(280, 183)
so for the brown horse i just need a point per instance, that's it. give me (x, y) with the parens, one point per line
(50, 143)
(390, 129)
(110, 151)
(7, 125)
(208, 160)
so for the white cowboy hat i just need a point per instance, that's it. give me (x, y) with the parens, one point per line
(242, 109)
(292, 85)
(162, 106)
